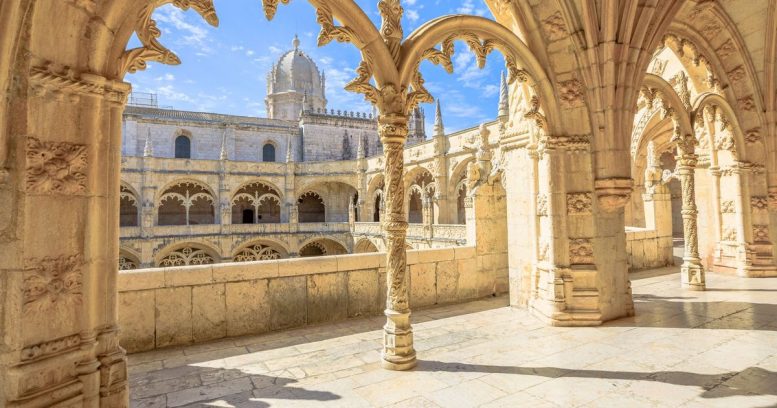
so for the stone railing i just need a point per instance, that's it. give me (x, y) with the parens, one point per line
(647, 249)
(449, 233)
(216, 229)
(183, 305)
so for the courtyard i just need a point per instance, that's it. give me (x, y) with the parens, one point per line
(716, 348)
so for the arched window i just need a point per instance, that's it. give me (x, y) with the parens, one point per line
(183, 147)
(268, 153)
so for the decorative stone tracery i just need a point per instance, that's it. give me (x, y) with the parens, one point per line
(257, 252)
(187, 256)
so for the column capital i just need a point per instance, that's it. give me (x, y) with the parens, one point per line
(614, 193)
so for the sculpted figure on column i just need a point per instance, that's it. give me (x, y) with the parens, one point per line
(389, 77)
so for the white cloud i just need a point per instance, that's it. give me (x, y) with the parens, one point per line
(412, 15)
(193, 34)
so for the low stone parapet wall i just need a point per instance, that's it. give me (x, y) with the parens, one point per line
(183, 305)
(647, 249)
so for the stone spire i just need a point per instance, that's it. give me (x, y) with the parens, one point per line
(504, 99)
(360, 148)
(439, 127)
(223, 155)
(289, 155)
(148, 151)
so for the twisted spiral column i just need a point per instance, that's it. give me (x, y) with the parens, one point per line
(398, 352)
(692, 271)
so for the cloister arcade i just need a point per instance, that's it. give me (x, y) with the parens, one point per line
(587, 140)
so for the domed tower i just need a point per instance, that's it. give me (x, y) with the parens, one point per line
(294, 84)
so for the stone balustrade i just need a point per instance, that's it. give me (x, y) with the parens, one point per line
(182, 305)
(216, 229)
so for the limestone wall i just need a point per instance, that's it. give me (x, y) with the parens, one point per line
(172, 306)
(648, 249)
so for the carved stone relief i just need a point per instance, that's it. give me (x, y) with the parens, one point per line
(729, 234)
(571, 93)
(55, 167)
(554, 26)
(579, 203)
(727, 207)
(760, 203)
(257, 252)
(746, 104)
(50, 347)
(761, 233)
(581, 251)
(52, 283)
(542, 205)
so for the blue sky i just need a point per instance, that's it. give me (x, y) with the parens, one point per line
(224, 69)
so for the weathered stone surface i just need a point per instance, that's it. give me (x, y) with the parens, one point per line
(173, 316)
(209, 312)
(423, 284)
(288, 302)
(136, 314)
(363, 293)
(327, 297)
(248, 307)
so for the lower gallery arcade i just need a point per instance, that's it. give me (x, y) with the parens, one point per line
(599, 162)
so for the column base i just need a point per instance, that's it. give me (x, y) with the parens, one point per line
(398, 353)
(692, 275)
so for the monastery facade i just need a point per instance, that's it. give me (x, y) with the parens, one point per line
(306, 181)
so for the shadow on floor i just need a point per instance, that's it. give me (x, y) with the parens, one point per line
(655, 311)
(222, 388)
(751, 381)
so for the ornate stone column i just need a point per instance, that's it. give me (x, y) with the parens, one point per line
(398, 352)
(692, 271)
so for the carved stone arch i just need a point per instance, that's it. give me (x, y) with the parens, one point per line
(256, 202)
(130, 188)
(128, 259)
(311, 249)
(311, 207)
(721, 105)
(729, 60)
(187, 253)
(185, 202)
(364, 246)
(458, 174)
(129, 206)
(667, 102)
(191, 180)
(269, 184)
(375, 182)
(260, 250)
(501, 38)
(327, 245)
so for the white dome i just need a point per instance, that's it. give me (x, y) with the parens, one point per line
(295, 80)
(295, 71)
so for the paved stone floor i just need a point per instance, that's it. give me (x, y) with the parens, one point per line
(712, 349)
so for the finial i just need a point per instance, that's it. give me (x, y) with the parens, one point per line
(289, 157)
(295, 43)
(504, 99)
(360, 148)
(147, 149)
(439, 127)
(223, 155)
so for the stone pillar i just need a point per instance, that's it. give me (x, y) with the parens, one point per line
(59, 343)
(398, 352)
(691, 271)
